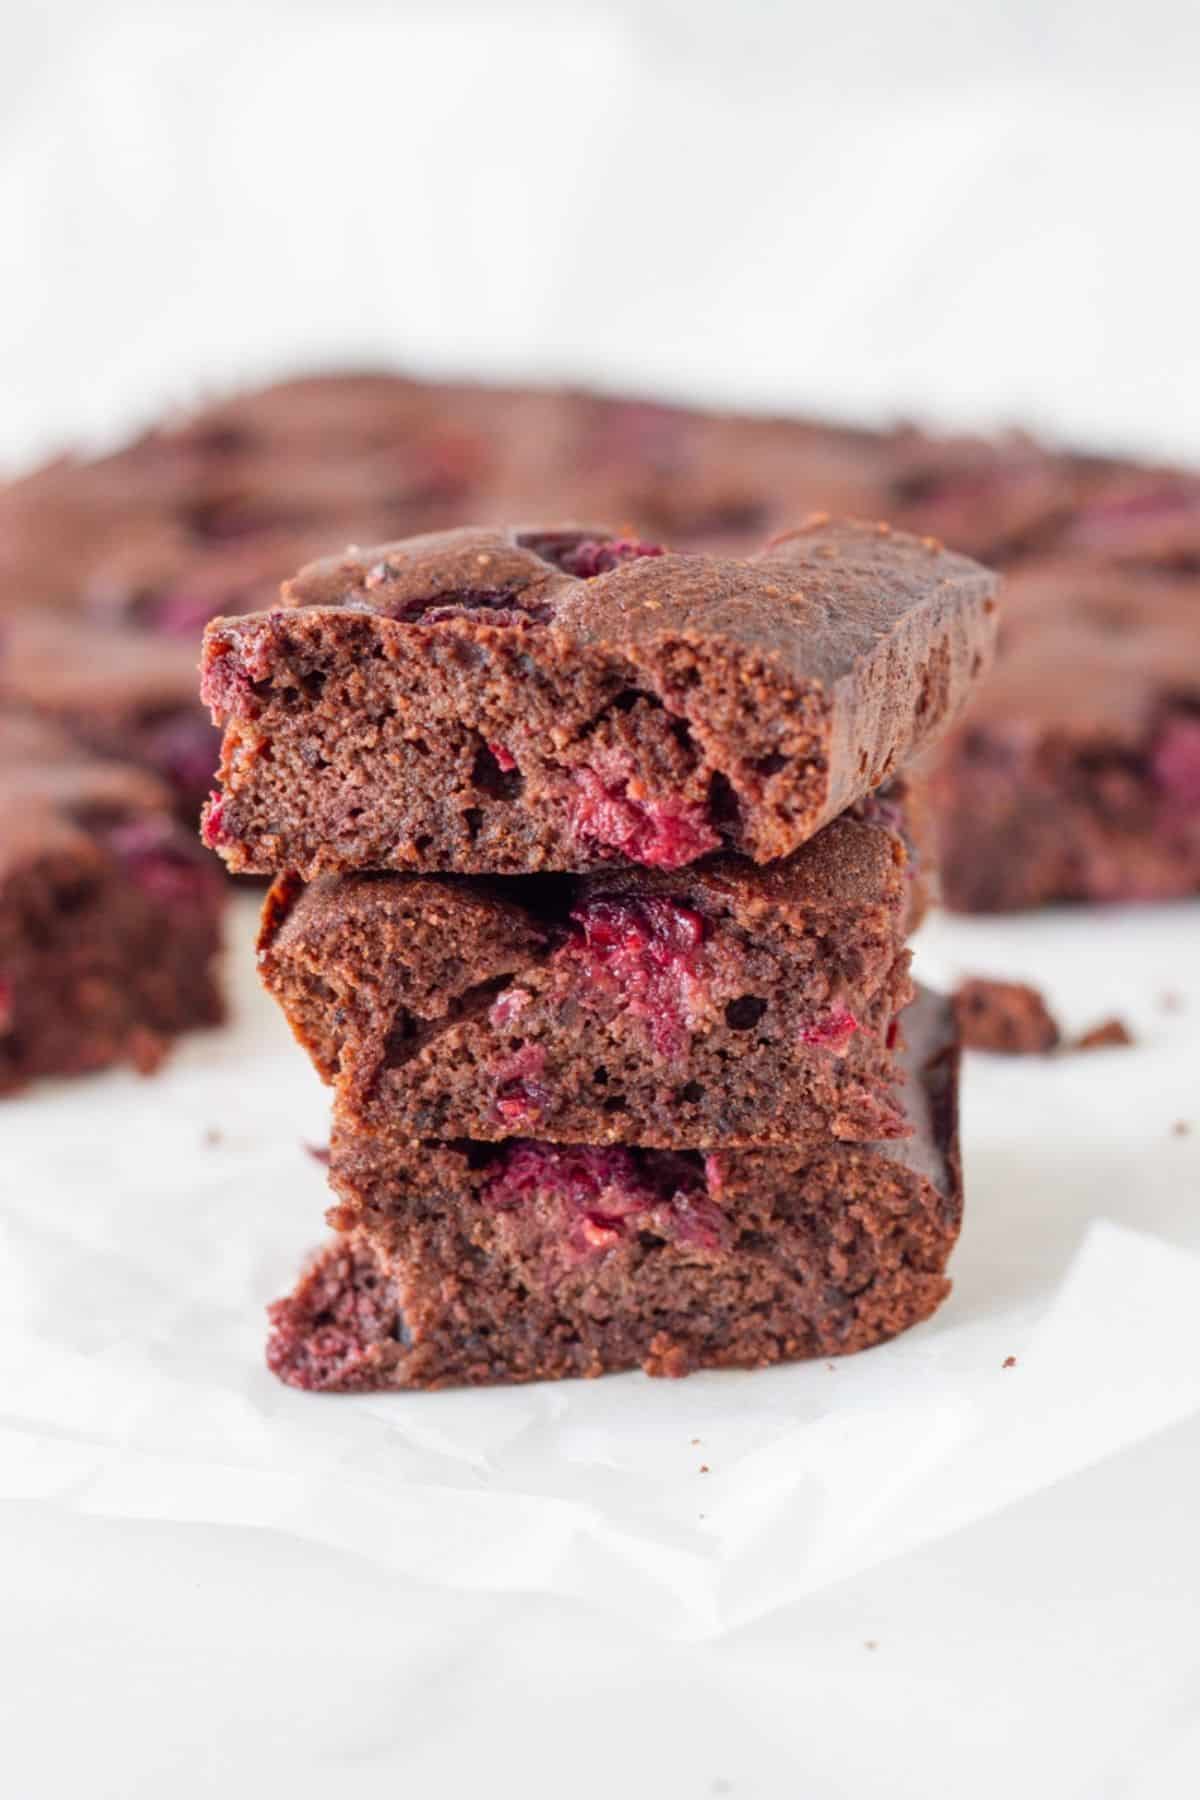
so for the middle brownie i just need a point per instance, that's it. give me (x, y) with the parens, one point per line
(720, 1004)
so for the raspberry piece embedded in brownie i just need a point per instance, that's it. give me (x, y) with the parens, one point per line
(833, 1032)
(647, 949)
(324, 1335)
(657, 835)
(586, 557)
(589, 1199)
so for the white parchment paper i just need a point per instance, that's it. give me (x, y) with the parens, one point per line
(146, 1224)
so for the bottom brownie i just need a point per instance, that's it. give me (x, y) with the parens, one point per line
(109, 913)
(476, 1263)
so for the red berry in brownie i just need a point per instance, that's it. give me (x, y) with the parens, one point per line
(212, 830)
(590, 1200)
(520, 1095)
(832, 1032)
(584, 556)
(645, 831)
(649, 949)
(227, 688)
(347, 1308)
(508, 1007)
(600, 556)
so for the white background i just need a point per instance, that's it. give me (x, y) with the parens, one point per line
(981, 211)
(214, 1586)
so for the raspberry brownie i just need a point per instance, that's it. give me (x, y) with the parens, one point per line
(724, 1003)
(487, 701)
(123, 694)
(475, 1263)
(109, 912)
(1075, 775)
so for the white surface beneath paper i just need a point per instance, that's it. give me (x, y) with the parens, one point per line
(893, 1563)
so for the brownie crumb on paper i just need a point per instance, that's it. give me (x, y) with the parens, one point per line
(1006, 1017)
(1110, 1034)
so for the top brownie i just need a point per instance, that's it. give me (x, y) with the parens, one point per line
(500, 701)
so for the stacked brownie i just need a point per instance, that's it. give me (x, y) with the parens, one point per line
(594, 871)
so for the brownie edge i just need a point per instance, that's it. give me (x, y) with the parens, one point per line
(509, 701)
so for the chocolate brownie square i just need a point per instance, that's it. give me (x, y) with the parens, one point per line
(1075, 773)
(504, 702)
(520, 1261)
(109, 913)
(723, 1003)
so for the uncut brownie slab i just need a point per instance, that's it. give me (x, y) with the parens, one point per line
(109, 912)
(723, 1003)
(488, 701)
(1075, 773)
(475, 1263)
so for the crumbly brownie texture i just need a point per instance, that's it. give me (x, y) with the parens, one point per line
(503, 702)
(1075, 775)
(1004, 1016)
(526, 1260)
(722, 1004)
(123, 694)
(109, 913)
